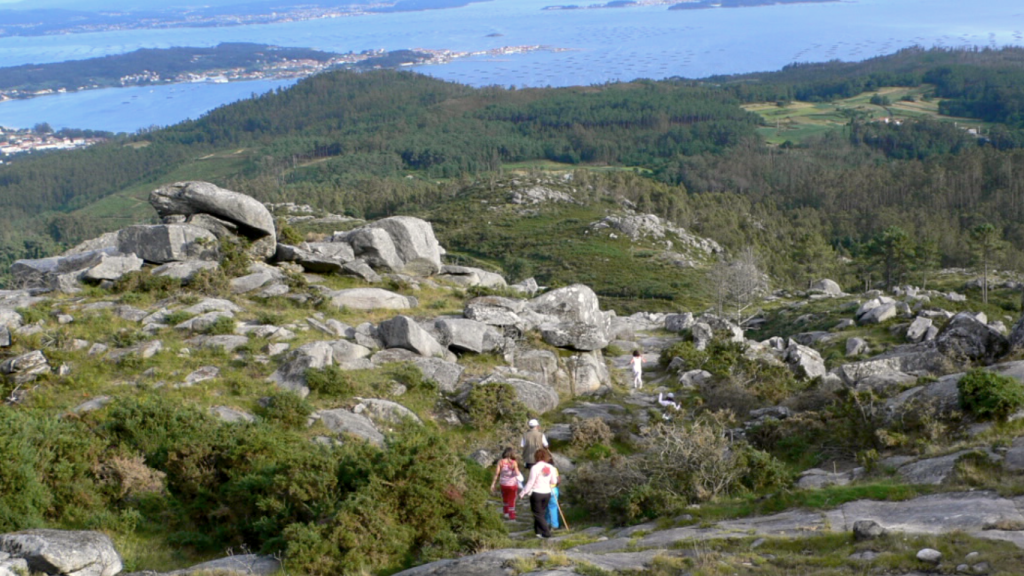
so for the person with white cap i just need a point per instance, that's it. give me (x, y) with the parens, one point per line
(668, 400)
(532, 441)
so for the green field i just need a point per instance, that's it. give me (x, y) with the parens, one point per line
(797, 121)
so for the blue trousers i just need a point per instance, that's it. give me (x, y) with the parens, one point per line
(553, 509)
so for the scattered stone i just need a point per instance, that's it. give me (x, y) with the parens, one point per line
(201, 374)
(867, 530)
(231, 414)
(370, 299)
(164, 243)
(929, 555)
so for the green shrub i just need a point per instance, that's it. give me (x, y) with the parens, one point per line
(590, 432)
(989, 395)
(412, 502)
(285, 408)
(234, 256)
(330, 381)
(177, 317)
(493, 404)
(46, 472)
(144, 282)
(222, 325)
(210, 282)
(762, 472)
(286, 234)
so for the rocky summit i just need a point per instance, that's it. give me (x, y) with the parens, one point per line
(297, 378)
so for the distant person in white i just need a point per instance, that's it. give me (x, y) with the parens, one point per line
(637, 364)
(668, 400)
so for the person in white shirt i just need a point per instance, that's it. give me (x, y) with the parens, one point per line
(637, 364)
(543, 478)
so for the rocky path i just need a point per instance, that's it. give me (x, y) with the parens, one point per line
(981, 514)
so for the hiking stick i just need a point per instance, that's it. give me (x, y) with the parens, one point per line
(562, 514)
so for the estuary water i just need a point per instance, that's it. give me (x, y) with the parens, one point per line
(587, 46)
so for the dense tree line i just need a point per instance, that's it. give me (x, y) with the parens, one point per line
(347, 141)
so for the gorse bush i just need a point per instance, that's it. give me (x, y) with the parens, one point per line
(989, 395)
(330, 381)
(493, 404)
(286, 408)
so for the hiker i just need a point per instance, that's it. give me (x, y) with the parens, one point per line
(543, 476)
(637, 364)
(507, 474)
(552, 514)
(532, 441)
(669, 400)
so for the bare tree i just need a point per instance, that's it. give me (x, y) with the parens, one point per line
(738, 283)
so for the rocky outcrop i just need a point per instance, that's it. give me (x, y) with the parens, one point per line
(162, 243)
(966, 337)
(573, 318)
(189, 199)
(404, 332)
(64, 552)
(345, 422)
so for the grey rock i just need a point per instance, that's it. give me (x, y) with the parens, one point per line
(609, 413)
(65, 552)
(497, 311)
(967, 337)
(702, 335)
(385, 411)
(213, 304)
(164, 243)
(10, 319)
(827, 287)
(804, 361)
(587, 373)
(143, 350)
(251, 282)
(931, 470)
(1014, 457)
(536, 397)
(415, 244)
(291, 375)
(484, 458)
(370, 299)
(843, 325)
(929, 555)
(469, 276)
(856, 346)
(189, 198)
(360, 269)
(575, 336)
(92, 405)
(112, 267)
(201, 374)
(237, 565)
(404, 332)
(489, 563)
(374, 246)
(344, 352)
(867, 530)
(465, 335)
(528, 287)
(225, 342)
(445, 373)
(129, 313)
(576, 304)
(203, 322)
(25, 367)
(878, 314)
(5, 337)
(342, 421)
(320, 257)
(228, 414)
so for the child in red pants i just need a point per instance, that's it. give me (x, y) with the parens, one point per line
(507, 474)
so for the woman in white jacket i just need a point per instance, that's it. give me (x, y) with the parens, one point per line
(543, 477)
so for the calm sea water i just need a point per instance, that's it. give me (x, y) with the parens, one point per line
(597, 46)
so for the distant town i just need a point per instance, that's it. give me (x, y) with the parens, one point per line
(14, 141)
(42, 83)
